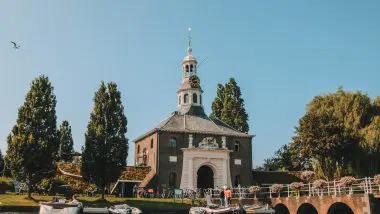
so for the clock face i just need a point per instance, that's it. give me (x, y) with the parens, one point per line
(194, 81)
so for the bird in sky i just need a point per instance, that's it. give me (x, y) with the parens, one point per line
(15, 45)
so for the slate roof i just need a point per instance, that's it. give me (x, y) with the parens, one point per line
(194, 123)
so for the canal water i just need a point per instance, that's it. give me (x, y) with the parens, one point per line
(144, 212)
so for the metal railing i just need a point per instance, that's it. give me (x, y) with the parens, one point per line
(331, 188)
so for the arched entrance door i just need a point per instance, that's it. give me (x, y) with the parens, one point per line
(205, 177)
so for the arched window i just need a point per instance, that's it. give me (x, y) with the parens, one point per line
(191, 68)
(138, 149)
(151, 143)
(179, 100)
(172, 142)
(145, 157)
(185, 98)
(186, 70)
(237, 146)
(200, 99)
(195, 98)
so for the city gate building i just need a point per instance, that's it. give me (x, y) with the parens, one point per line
(190, 149)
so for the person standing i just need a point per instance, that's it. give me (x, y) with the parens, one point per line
(228, 197)
(221, 197)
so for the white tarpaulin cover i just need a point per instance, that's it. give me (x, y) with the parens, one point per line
(48, 209)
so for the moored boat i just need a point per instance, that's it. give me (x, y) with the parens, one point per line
(59, 207)
(124, 209)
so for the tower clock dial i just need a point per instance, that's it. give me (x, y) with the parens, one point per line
(194, 81)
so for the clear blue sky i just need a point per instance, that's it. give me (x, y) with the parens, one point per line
(282, 53)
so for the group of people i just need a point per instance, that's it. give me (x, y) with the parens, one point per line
(225, 196)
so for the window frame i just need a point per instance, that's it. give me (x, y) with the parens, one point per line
(195, 95)
(237, 145)
(186, 98)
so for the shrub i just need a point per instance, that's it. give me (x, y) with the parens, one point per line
(276, 188)
(6, 184)
(254, 189)
(296, 186)
(319, 184)
(377, 179)
(307, 175)
(347, 181)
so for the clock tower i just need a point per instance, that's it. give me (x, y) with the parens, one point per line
(190, 93)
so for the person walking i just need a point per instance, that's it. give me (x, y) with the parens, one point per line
(228, 196)
(221, 197)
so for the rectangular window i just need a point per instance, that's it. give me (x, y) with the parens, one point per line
(237, 161)
(173, 159)
(172, 179)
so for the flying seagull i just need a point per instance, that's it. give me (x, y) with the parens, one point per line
(15, 45)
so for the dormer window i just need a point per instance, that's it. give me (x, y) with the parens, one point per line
(195, 98)
(185, 98)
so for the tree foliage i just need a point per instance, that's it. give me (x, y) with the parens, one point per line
(282, 161)
(339, 135)
(65, 142)
(1, 163)
(228, 106)
(106, 146)
(33, 141)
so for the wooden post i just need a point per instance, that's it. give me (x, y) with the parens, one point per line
(309, 189)
(270, 192)
(334, 187)
(288, 191)
(328, 188)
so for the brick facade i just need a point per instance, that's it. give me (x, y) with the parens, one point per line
(161, 152)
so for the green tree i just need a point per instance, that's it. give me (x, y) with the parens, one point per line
(33, 141)
(322, 138)
(65, 142)
(337, 133)
(1, 163)
(282, 160)
(106, 146)
(228, 106)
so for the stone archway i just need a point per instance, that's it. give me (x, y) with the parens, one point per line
(205, 177)
(281, 209)
(340, 208)
(307, 208)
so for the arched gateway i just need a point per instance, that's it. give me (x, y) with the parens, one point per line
(205, 168)
(205, 177)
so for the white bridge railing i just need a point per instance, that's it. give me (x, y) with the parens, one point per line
(359, 186)
(332, 188)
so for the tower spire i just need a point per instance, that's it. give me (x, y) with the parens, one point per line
(189, 49)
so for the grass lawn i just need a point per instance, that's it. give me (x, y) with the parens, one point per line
(143, 203)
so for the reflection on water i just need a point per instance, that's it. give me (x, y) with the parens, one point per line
(169, 212)
(19, 212)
